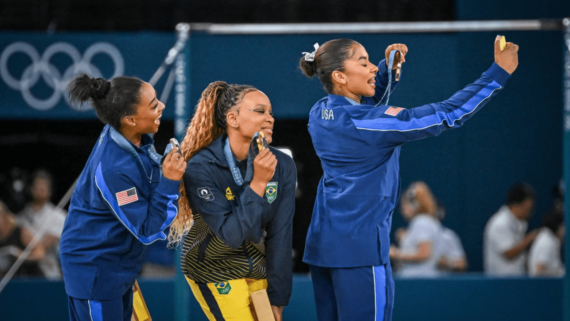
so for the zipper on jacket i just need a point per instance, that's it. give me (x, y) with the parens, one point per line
(203, 247)
(249, 261)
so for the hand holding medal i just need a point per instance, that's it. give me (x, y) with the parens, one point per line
(261, 141)
(264, 166)
(506, 54)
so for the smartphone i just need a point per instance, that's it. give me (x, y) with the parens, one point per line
(175, 143)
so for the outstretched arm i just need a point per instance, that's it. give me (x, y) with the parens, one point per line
(391, 126)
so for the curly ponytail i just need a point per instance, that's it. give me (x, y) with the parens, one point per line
(208, 123)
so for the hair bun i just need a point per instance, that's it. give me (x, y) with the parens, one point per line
(307, 67)
(100, 87)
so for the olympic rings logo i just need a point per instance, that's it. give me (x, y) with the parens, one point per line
(42, 67)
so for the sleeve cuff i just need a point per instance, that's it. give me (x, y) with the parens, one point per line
(280, 302)
(168, 187)
(498, 74)
(251, 195)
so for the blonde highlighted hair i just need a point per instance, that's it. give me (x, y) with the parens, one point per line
(208, 123)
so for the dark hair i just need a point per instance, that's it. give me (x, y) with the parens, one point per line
(553, 220)
(42, 174)
(226, 97)
(328, 58)
(112, 100)
(519, 193)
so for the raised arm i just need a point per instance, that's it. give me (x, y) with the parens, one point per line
(145, 216)
(382, 75)
(391, 126)
(279, 241)
(231, 225)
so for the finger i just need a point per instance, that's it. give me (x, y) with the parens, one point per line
(273, 163)
(516, 47)
(267, 161)
(170, 154)
(262, 154)
(498, 44)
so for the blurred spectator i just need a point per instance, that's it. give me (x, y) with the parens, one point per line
(419, 246)
(13, 189)
(544, 257)
(13, 241)
(452, 257)
(505, 243)
(39, 212)
(558, 193)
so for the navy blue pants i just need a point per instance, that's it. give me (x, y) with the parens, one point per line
(362, 293)
(108, 310)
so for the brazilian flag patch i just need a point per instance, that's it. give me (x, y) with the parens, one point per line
(271, 191)
(223, 287)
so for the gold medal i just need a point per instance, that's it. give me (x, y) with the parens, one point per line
(260, 139)
(503, 43)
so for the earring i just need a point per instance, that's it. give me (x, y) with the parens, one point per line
(134, 124)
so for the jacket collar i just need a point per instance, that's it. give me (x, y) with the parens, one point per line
(337, 100)
(146, 144)
(215, 153)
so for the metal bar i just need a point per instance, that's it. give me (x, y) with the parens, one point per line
(183, 30)
(381, 27)
(566, 162)
(182, 112)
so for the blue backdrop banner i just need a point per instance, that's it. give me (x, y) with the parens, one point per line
(35, 68)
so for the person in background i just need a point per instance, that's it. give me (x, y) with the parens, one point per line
(419, 247)
(544, 256)
(41, 211)
(504, 239)
(13, 241)
(452, 257)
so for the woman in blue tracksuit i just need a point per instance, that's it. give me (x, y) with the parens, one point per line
(123, 200)
(358, 139)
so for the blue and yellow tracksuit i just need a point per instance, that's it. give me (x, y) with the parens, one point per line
(238, 239)
(359, 148)
(121, 203)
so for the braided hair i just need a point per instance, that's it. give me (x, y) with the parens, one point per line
(208, 123)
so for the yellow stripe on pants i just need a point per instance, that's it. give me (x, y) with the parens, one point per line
(232, 298)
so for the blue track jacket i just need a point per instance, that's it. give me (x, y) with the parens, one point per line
(120, 204)
(359, 147)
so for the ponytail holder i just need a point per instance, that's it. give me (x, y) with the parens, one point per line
(310, 56)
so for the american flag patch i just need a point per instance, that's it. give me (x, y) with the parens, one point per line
(127, 196)
(393, 111)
